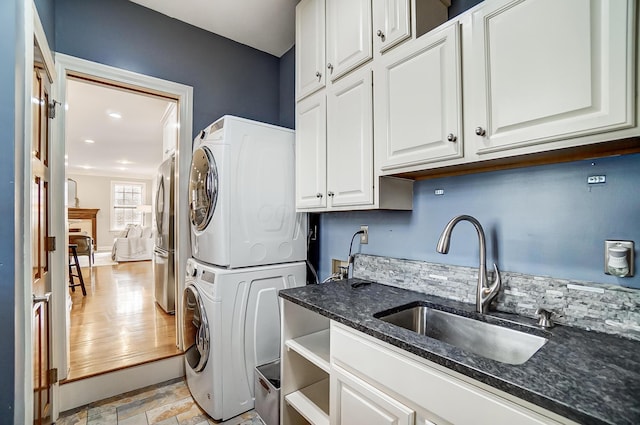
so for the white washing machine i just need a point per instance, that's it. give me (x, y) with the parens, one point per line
(242, 197)
(231, 323)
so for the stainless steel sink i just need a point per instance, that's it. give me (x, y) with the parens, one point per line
(495, 342)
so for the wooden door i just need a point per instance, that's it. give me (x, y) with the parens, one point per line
(41, 247)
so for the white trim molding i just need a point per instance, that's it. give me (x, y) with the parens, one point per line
(71, 66)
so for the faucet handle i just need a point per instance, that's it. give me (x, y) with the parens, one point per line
(544, 318)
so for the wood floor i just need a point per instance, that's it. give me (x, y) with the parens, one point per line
(118, 324)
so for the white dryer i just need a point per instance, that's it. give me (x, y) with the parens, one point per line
(242, 197)
(231, 323)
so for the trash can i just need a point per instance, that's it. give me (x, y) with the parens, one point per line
(267, 389)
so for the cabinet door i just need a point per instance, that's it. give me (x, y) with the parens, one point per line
(547, 70)
(310, 47)
(354, 402)
(391, 23)
(418, 95)
(348, 35)
(350, 140)
(311, 155)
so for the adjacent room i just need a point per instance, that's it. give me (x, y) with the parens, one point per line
(116, 140)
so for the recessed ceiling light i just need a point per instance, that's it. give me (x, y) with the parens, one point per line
(66, 157)
(124, 162)
(86, 167)
(89, 141)
(115, 115)
(122, 168)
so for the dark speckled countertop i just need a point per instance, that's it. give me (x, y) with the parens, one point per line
(589, 377)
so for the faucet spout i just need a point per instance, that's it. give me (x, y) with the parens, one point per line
(485, 293)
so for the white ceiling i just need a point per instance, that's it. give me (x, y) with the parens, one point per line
(130, 146)
(267, 25)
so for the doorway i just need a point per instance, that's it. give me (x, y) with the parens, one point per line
(75, 69)
(116, 138)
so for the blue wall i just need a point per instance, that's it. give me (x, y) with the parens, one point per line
(46, 12)
(542, 220)
(227, 77)
(288, 89)
(10, 19)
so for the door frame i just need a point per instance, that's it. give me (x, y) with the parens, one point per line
(72, 66)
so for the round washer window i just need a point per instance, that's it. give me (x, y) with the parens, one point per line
(203, 187)
(195, 330)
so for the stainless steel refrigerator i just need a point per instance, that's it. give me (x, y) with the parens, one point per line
(163, 252)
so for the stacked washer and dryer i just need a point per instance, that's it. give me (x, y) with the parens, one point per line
(247, 243)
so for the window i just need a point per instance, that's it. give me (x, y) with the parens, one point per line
(125, 198)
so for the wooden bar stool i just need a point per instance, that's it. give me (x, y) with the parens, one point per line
(73, 262)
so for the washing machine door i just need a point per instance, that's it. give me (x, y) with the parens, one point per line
(203, 188)
(195, 330)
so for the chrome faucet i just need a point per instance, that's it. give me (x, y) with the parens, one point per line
(485, 293)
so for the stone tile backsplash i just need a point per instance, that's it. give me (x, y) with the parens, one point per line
(604, 308)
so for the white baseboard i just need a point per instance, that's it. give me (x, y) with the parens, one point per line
(84, 391)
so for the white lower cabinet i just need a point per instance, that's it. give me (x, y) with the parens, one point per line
(383, 382)
(333, 374)
(304, 366)
(354, 402)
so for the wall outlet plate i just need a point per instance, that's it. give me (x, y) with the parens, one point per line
(630, 256)
(364, 237)
(339, 266)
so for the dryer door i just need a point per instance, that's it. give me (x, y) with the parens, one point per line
(203, 188)
(195, 330)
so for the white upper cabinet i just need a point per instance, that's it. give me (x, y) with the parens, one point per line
(348, 36)
(545, 70)
(311, 152)
(350, 140)
(418, 102)
(334, 145)
(310, 47)
(391, 23)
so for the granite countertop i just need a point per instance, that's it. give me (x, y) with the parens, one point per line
(589, 377)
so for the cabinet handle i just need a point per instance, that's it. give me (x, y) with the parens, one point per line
(318, 75)
(480, 131)
(330, 67)
(318, 195)
(380, 34)
(330, 194)
(451, 137)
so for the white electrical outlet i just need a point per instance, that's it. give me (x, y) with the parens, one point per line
(364, 237)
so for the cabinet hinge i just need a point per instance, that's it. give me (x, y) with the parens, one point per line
(51, 243)
(53, 376)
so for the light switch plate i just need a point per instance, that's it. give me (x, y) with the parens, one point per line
(624, 244)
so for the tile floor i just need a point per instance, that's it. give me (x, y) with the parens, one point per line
(168, 403)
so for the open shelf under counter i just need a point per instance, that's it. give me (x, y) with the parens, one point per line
(314, 347)
(312, 402)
